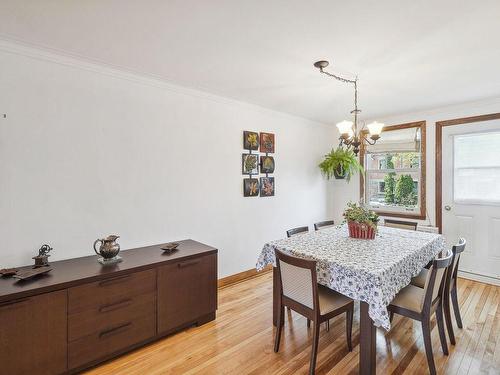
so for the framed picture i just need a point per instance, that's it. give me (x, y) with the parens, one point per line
(267, 186)
(250, 163)
(267, 142)
(266, 164)
(250, 140)
(250, 187)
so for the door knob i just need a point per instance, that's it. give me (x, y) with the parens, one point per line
(447, 208)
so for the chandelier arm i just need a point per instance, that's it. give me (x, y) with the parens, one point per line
(347, 141)
(367, 140)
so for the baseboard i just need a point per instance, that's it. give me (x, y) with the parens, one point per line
(478, 277)
(242, 276)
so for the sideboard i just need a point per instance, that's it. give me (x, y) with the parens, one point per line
(83, 313)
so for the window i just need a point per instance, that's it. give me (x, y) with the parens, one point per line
(394, 182)
(476, 168)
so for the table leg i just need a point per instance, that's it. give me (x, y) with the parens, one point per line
(276, 288)
(367, 342)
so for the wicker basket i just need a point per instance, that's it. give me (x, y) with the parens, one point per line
(363, 231)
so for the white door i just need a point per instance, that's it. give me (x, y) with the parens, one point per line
(471, 194)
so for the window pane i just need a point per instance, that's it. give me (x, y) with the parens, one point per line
(477, 150)
(395, 190)
(398, 160)
(477, 185)
(476, 168)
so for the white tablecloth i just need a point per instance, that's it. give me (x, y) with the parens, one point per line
(373, 271)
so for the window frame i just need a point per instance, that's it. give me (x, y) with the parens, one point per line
(420, 214)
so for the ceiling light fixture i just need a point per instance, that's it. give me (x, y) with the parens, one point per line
(349, 134)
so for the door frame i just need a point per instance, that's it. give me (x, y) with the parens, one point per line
(439, 157)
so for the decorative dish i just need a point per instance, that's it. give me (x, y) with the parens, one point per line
(29, 272)
(170, 247)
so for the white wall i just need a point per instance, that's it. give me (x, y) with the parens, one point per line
(87, 151)
(351, 191)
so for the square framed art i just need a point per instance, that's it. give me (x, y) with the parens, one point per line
(250, 140)
(267, 142)
(266, 164)
(267, 186)
(250, 187)
(250, 163)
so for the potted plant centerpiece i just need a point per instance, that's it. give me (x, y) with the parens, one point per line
(340, 163)
(362, 222)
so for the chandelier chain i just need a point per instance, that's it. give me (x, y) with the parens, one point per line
(356, 137)
(345, 80)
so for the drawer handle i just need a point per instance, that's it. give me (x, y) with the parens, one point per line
(13, 303)
(114, 280)
(115, 305)
(187, 264)
(112, 331)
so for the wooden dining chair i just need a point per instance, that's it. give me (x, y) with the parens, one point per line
(294, 231)
(300, 291)
(450, 288)
(410, 225)
(323, 224)
(420, 303)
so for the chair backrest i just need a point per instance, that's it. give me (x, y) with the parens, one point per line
(410, 225)
(435, 280)
(323, 224)
(298, 280)
(457, 250)
(451, 274)
(294, 231)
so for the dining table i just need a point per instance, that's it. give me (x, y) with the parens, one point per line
(371, 271)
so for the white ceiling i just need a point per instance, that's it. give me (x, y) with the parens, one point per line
(409, 55)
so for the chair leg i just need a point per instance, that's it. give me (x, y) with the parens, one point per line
(279, 327)
(426, 331)
(348, 326)
(308, 323)
(454, 300)
(391, 316)
(328, 326)
(440, 324)
(314, 352)
(447, 319)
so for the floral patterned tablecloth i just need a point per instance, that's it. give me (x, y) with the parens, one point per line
(373, 271)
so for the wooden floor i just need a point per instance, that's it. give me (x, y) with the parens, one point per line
(240, 341)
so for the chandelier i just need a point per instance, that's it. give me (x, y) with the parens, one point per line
(350, 136)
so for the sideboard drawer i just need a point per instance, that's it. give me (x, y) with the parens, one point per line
(111, 339)
(93, 296)
(98, 318)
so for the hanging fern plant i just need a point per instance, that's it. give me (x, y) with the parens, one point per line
(340, 163)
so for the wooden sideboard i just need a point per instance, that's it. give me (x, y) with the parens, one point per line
(83, 313)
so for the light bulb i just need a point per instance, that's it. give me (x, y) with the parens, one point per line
(375, 128)
(345, 127)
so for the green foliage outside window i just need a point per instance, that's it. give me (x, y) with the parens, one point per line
(403, 192)
(389, 185)
(389, 181)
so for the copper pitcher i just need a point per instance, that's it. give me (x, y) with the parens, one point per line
(108, 248)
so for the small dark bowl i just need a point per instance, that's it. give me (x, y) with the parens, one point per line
(170, 246)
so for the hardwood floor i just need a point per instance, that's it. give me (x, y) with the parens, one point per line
(240, 340)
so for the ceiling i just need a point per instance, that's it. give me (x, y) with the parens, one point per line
(409, 55)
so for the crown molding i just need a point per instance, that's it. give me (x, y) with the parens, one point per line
(46, 54)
